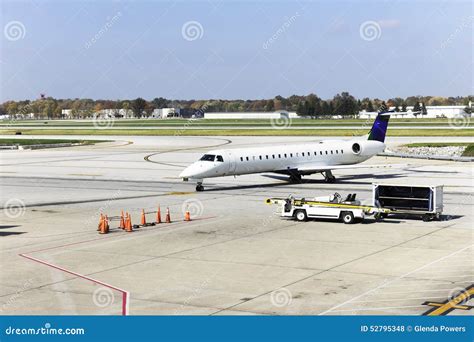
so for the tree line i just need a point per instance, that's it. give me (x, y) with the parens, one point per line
(343, 104)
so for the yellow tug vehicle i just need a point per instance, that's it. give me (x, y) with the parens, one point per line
(348, 210)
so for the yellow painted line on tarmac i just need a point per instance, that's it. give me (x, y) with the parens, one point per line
(179, 193)
(454, 303)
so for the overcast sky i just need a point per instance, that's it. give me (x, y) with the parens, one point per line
(247, 50)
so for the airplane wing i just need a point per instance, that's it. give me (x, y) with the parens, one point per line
(309, 169)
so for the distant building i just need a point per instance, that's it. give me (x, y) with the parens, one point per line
(432, 112)
(250, 115)
(163, 113)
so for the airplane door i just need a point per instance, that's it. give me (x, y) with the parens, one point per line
(231, 163)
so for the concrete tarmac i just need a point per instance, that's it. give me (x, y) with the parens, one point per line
(236, 256)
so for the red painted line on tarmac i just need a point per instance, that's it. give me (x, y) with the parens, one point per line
(125, 293)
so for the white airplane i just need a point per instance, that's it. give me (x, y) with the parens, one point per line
(294, 160)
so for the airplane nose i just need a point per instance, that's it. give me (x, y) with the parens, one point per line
(189, 172)
(185, 173)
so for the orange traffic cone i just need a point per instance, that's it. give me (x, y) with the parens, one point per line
(106, 225)
(168, 216)
(143, 219)
(187, 215)
(99, 226)
(122, 221)
(158, 215)
(101, 223)
(128, 223)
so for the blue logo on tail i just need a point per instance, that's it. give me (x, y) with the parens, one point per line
(379, 128)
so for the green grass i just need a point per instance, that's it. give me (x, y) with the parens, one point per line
(27, 142)
(220, 122)
(468, 152)
(242, 132)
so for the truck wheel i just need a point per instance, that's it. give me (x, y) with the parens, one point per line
(427, 217)
(347, 217)
(300, 215)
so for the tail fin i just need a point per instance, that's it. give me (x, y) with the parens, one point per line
(379, 128)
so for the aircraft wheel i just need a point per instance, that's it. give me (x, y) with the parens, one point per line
(199, 187)
(330, 179)
(295, 178)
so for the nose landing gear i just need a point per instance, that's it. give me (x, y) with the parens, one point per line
(199, 187)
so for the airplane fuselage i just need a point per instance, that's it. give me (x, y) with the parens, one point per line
(304, 158)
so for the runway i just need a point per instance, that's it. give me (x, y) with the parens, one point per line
(236, 256)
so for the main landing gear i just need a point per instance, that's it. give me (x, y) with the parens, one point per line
(295, 178)
(199, 187)
(329, 177)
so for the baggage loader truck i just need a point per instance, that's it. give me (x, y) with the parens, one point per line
(328, 207)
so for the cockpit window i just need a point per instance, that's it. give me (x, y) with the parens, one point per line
(219, 158)
(208, 157)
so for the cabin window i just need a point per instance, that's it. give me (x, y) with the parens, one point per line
(260, 157)
(266, 156)
(220, 159)
(331, 152)
(273, 156)
(337, 151)
(291, 155)
(321, 152)
(309, 154)
(279, 156)
(302, 154)
(326, 152)
(247, 158)
(241, 158)
(286, 156)
(342, 151)
(208, 157)
(314, 152)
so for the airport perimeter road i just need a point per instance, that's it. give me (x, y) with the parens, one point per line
(236, 256)
(197, 126)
